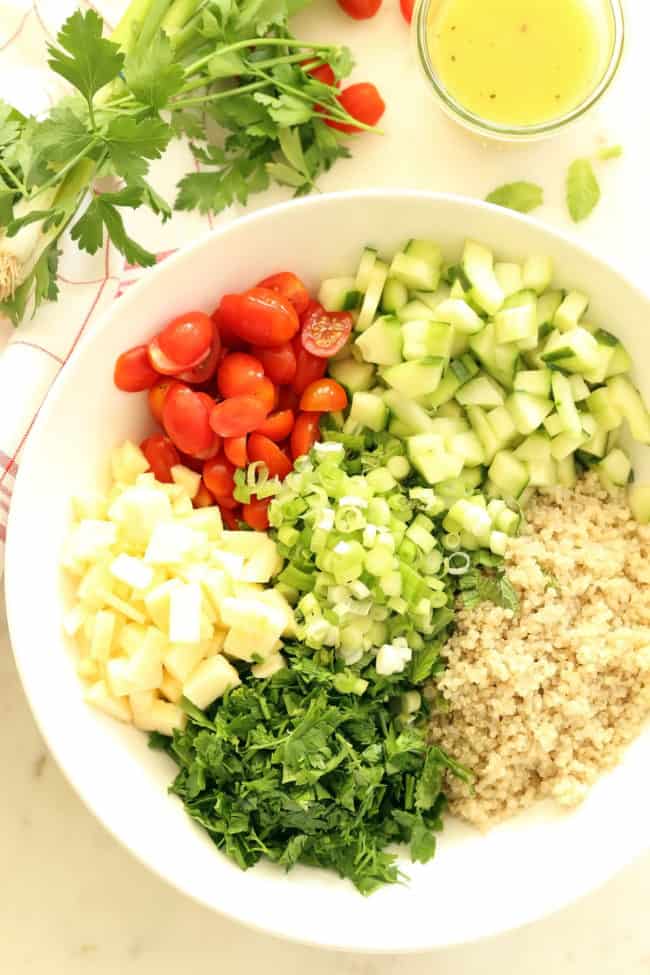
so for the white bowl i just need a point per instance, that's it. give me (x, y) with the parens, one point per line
(476, 885)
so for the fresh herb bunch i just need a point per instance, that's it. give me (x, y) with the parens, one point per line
(172, 67)
(300, 769)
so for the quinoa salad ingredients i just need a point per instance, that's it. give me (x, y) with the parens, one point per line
(539, 703)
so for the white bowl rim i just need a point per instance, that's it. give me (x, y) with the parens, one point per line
(572, 888)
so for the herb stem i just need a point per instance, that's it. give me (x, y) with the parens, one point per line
(18, 184)
(60, 175)
(255, 42)
(218, 95)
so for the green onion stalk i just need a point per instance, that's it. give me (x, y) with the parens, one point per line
(42, 208)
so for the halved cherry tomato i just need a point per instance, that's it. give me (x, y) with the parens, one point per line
(363, 102)
(157, 395)
(322, 72)
(207, 367)
(219, 477)
(227, 501)
(277, 426)
(279, 363)
(215, 444)
(360, 9)
(266, 393)
(186, 419)
(236, 416)
(230, 518)
(308, 367)
(406, 6)
(203, 498)
(238, 373)
(305, 433)
(259, 316)
(133, 372)
(162, 456)
(262, 449)
(323, 396)
(255, 514)
(288, 399)
(235, 450)
(161, 362)
(229, 341)
(289, 286)
(187, 338)
(324, 333)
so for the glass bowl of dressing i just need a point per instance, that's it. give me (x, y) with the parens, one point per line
(518, 69)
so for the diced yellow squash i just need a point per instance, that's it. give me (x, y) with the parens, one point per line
(141, 703)
(182, 659)
(145, 668)
(132, 571)
(122, 606)
(157, 603)
(231, 562)
(250, 645)
(131, 637)
(182, 507)
(187, 479)
(207, 520)
(92, 539)
(211, 679)
(89, 670)
(253, 614)
(269, 666)
(127, 462)
(90, 505)
(242, 543)
(100, 697)
(173, 542)
(137, 512)
(185, 613)
(94, 584)
(163, 717)
(171, 688)
(118, 677)
(103, 634)
(73, 620)
(274, 598)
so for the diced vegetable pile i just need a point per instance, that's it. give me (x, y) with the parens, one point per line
(284, 669)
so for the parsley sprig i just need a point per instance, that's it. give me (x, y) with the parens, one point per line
(227, 74)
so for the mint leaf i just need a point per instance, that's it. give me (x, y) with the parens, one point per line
(91, 61)
(152, 74)
(520, 196)
(583, 191)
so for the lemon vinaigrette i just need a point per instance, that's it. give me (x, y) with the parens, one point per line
(518, 62)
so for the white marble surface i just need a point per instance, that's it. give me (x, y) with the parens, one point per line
(71, 899)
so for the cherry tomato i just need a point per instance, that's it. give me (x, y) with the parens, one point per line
(279, 363)
(360, 9)
(277, 426)
(286, 284)
(308, 367)
(323, 396)
(215, 444)
(406, 6)
(162, 456)
(157, 395)
(219, 477)
(186, 419)
(255, 514)
(259, 316)
(228, 502)
(266, 393)
(203, 498)
(363, 102)
(288, 399)
(324, 333)
(322, 72)
(237, 416)
(238, 373)
(206, 368)
(235, 450)
(133, 372)
(230, 518)
(305, 433)
(187, 338)
(262, 449)
(229, 341)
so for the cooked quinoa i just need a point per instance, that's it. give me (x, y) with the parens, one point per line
(540, 702)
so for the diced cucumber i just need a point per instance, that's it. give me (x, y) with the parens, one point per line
(449, 426)
(367, 262)
(481, 391)
(468, 446)
(570, 311)
(606, 348)
(339, 294)
(639, 500)
(508, 474)
(399, 429)
(464, 368)
(453, 273)
(426, 338)
(564, 404)
(596, 446)
(369, 410)
(499, 360)
(394, 296)
(528, 412)
(417, 377)
(447, 388)
(355, 376)
(604, 409)
(456, 312)
(502, 426)
(416, 311)
(498, 542)
(381, 343)
(452, 409)
(542, 473)
(547, 305)
(429, 456)
(566, 472)
(553, 424)
(376, 282)
(507, 521)
(537, 382)
(627, 399)
(620, 362)
(575, 350)
(516, 324)
(433, 298)
(411, 416)
(509, 276)
(566, 444)
(616, 467)
(478, 264)
(538, 273)
(536, 447)
(482, 428)
(458, 291)
(579, 388)
(415, 272)
(425, 250)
